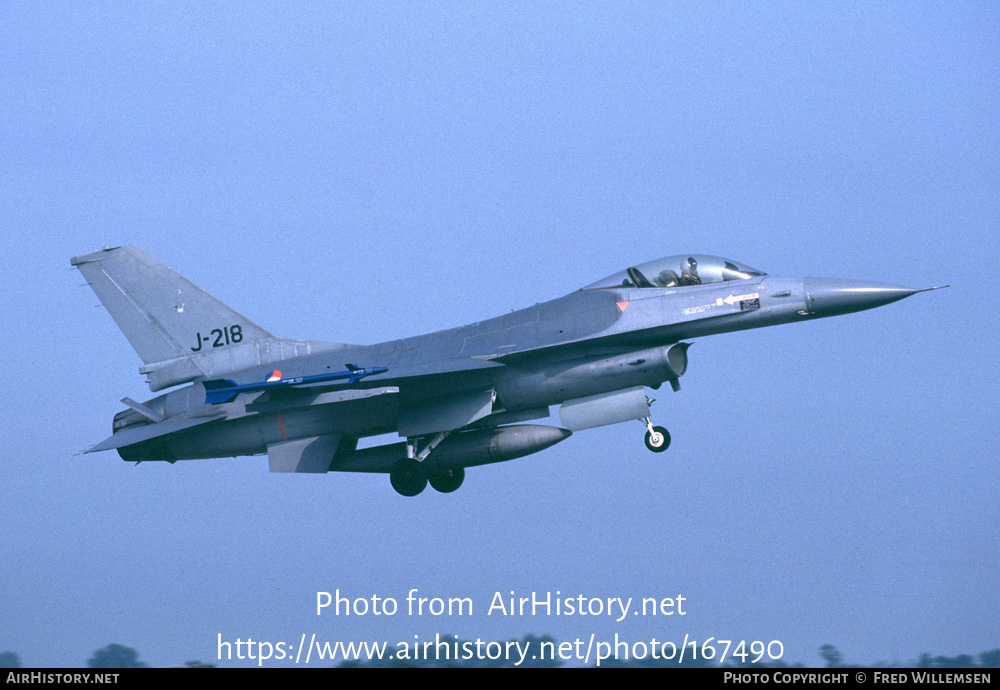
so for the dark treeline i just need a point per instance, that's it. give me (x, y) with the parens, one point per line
(120, 656)
(830, 654)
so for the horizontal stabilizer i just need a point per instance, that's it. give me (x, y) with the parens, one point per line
(138, 434)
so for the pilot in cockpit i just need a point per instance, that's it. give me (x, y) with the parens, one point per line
(689, 274)
(679, 271)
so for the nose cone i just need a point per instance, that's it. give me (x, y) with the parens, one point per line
(829, 297)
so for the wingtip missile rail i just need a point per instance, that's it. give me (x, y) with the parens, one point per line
(218, 391)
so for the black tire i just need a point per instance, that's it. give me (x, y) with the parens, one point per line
(448, 481)
(408, 477)
(664, 438)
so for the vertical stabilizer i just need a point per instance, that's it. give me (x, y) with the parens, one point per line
(163, 315)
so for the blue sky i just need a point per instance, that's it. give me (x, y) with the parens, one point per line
(363, 172)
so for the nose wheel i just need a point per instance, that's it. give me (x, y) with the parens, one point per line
(657, 437)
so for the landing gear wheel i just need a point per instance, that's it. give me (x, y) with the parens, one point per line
(658, 440)
(448, 481)
(408, 477)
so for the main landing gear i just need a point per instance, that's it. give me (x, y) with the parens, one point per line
(409, 475)
(657, 437)
(448, 481)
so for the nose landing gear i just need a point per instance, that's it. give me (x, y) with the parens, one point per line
(657, 437)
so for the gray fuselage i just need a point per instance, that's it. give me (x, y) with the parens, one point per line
(588, 342)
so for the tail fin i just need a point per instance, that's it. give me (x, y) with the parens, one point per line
(181, 332)
(163, 315)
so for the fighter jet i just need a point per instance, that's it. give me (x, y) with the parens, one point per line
(456, 398)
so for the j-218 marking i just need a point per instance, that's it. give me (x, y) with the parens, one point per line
(223, 336)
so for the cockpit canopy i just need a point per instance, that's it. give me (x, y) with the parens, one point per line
(679, 271)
